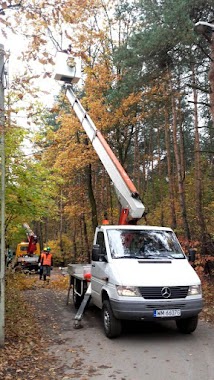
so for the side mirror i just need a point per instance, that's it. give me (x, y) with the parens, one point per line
(191, 256)
(97, 253)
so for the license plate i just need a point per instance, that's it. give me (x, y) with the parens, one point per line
(167, 313)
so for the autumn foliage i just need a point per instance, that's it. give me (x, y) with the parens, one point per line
(151, 107)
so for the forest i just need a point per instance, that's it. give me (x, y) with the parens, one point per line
(148, 85)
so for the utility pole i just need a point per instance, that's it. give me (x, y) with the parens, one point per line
(2, 252)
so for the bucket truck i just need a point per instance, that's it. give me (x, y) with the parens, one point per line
(137, 272)
(27, 252)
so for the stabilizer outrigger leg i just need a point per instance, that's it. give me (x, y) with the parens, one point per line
(81, 310)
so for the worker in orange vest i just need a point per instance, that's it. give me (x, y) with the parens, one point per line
(40, 263)
(46, 263)
(105, 220)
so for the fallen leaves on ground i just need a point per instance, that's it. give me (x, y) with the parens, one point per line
(207, 313)
(24, 355)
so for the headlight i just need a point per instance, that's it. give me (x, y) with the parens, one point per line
(194, 290)
(128, 291)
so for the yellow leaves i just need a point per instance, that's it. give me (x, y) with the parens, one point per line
(21, 281)
(4, 4)
(2, 21)
(24, 355)
(59, 282)
(20, 96)
(43, 61)
(70, 161)
(76, 209)
(208, 294)
(100, 80)
(55, 108)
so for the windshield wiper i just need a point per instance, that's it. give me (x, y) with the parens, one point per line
(126, 257)
(172, 256)
(137, 257)
(147, 257)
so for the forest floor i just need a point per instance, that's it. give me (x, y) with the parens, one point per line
(34, 319)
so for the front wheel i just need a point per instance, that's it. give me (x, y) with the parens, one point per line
(187, 325)
(112, 326)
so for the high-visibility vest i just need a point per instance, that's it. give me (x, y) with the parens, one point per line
(46, 259)
(105, 221)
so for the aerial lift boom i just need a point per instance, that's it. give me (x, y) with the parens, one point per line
(32, 239)
(68, 69)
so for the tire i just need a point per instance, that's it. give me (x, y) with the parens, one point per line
(187, 325)
(112, 326)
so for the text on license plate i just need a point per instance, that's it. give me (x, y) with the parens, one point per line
(167, 313)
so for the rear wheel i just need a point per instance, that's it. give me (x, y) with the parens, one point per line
(187, 325)
(112, 326)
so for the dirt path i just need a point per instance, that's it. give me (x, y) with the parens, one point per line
(68, 346)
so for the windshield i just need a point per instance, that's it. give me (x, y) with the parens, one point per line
(144, 244)
(24, 248)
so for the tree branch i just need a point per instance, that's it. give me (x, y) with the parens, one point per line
(204, 51)
(199, 88)
(9, 6)
(203, 103)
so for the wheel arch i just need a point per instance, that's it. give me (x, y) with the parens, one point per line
(105, 296)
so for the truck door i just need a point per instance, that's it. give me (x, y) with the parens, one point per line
(98, 271)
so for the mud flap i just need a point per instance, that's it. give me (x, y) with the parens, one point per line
(81, 310)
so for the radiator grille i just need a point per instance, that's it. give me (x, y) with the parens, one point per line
(173, 305)
(149, 292)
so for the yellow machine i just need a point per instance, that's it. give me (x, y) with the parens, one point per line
(27, 253)
(22, 249)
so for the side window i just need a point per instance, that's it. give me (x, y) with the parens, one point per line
(101, 242)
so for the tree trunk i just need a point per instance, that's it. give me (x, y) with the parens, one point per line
(91, 197)
(211, 78)
(61, 227)
(160, 174)
(170, 176)
(74, 244)
(85, 234)
(136, 156)
(181, 190)
(198, 173)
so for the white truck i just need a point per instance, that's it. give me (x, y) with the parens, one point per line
(138, 272)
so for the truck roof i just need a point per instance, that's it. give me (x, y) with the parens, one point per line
(133, 227)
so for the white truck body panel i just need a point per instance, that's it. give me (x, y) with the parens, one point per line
(134, 273)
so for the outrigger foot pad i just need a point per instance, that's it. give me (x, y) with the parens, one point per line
(77, 324)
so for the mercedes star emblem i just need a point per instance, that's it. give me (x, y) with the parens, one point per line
(166, 292)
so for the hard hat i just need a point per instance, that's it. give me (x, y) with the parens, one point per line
(47, 249)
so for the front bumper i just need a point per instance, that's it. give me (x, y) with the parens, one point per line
(138, 310)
